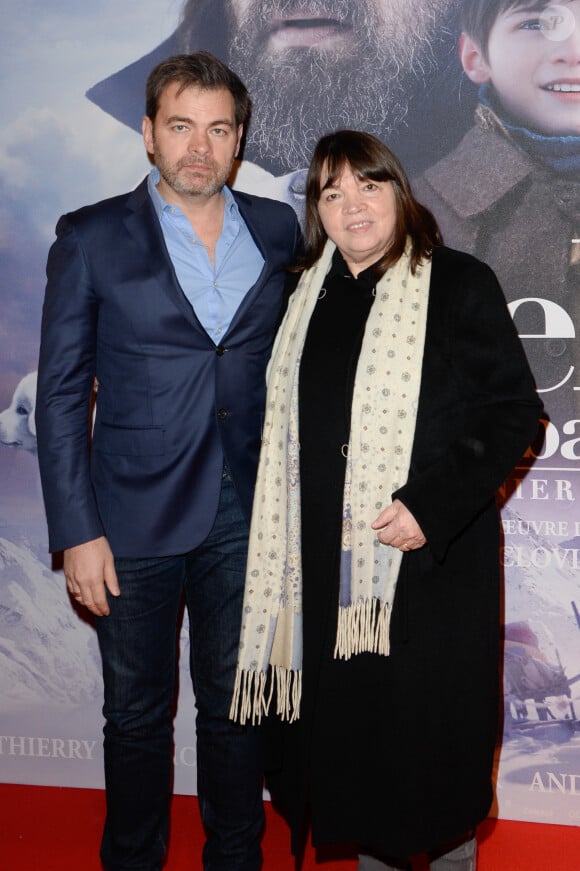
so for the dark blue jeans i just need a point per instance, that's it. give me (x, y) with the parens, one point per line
(138, 642)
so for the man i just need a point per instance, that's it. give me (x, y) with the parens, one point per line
(168, 296)
(385, 66)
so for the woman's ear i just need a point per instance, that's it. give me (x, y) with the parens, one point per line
(473, 61)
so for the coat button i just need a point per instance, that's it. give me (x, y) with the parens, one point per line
(222, 413)
(220, 350)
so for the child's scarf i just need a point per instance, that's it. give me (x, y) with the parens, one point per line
(559, 154)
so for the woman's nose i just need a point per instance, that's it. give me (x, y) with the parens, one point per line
(353, 204)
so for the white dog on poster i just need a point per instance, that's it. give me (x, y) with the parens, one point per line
(17, 424)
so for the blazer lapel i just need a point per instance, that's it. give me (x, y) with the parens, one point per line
(259, 232)
(143, 226)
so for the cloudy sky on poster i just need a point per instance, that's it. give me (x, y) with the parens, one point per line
(53, 140)
(57, 150)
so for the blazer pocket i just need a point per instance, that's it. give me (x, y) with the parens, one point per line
(129, 441)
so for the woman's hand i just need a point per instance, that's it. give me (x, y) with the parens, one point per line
(398, 528)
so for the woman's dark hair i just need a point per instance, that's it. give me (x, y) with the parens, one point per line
(368, 158)
(200, 70)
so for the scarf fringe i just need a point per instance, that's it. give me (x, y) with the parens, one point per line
(363, 627)
(253, 691)
(288, 692)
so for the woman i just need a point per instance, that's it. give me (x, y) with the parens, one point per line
(399, 399)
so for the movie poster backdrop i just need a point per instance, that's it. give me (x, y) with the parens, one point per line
(72, 102)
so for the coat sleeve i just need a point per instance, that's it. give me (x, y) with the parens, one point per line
(477, 420)
(65, 383)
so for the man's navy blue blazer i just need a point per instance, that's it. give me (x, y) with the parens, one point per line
(171, 407)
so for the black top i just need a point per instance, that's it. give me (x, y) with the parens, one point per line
(328, 369)
(327, 374)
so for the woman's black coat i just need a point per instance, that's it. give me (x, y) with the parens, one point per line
(395, 753)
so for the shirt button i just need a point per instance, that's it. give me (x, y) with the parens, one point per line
(222, 414)
(220, 350)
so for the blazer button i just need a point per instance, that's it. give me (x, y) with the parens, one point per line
(222, 413)
(220, 350)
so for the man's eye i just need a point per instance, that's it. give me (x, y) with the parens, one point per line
(180, 127)
(219, 131)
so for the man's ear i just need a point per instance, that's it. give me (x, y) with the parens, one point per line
(147, 131)
(239, 142)
(473, 61)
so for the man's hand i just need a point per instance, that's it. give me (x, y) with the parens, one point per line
(398, 527)
(89, 570)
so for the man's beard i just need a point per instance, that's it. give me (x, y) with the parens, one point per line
(299, 94)
(190, 183)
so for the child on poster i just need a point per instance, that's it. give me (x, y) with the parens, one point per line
(510, 192)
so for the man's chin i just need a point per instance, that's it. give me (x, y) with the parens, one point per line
(201, 187)
(329, 57)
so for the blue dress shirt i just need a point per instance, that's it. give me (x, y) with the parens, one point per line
(215, 290)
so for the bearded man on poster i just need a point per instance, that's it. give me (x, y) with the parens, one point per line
(388, 67)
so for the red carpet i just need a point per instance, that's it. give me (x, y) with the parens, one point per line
(55, 829)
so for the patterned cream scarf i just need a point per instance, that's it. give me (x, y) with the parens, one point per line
(384, 408)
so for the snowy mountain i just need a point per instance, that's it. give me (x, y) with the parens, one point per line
(47, 652)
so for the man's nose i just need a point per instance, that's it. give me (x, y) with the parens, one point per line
(199, 142)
